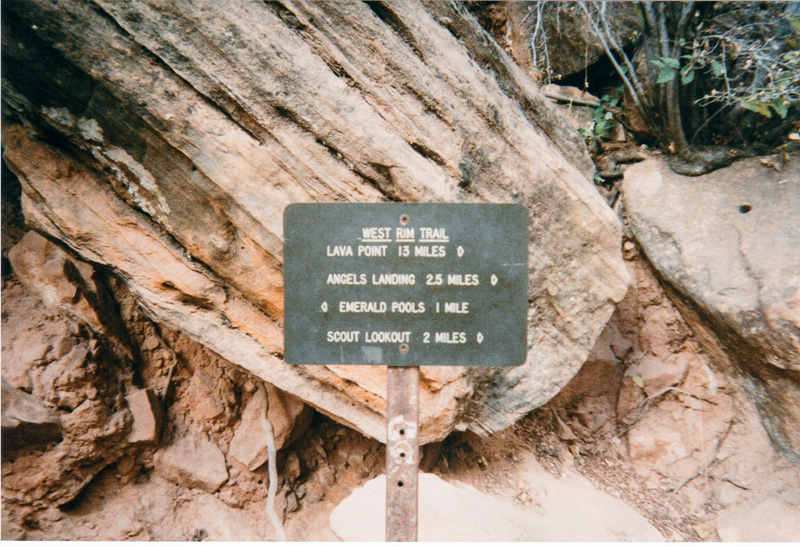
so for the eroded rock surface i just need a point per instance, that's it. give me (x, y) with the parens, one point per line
(561, 32)
(193, 462)
(691, 458)
(56, 366)
(176, 159)
(288, 416)
(729, 245)
(766, 520)
(27, 421)
(80, 398)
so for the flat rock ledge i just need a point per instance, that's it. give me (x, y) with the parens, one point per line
(728, 243)
(458, 512)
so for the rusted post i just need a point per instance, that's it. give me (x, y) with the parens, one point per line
(402, 453)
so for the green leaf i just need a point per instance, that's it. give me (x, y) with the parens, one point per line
(792, 57)
(585, 133)
(602, 127)
(658, 63)
(783, 80)
(759, 107)
(666, 75)
(637, 380)
(674, 64)
(687, 78)
(717, 68)
(794, 21)
(781, 106)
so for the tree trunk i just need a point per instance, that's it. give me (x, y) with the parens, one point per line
(163, 140)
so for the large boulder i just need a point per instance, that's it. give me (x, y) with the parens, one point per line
(171, 137)
(728, 243)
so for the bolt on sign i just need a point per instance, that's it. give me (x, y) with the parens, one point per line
(405, 284)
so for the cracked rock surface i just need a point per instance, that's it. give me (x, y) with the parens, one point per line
(728, 243)
(170, 161)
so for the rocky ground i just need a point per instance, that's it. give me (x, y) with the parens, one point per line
(650, 420)
(651, 437)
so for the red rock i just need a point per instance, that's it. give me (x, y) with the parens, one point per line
(148, 416)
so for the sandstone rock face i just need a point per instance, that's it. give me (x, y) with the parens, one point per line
(193, 462)
(59, 368)
(729, 245)
(45, 270)
(178, 156)
(61, 281)
(249, 444)
(26, 419)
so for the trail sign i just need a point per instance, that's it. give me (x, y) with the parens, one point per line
(405, 284)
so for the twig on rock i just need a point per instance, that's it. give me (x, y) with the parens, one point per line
(614, 171)
(171, 371)
(710, 462)
(273, 470)
(735, 483)
(646, 403)
(571, 100)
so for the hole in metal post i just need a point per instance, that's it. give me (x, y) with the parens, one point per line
(402, 454)
(400, 484)
(403, 348)
(402, 431)
(404, 219)
(744, 208)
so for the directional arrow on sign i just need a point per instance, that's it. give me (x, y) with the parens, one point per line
(460, 251)
(480, 338)
(324, 307)
(494, 280)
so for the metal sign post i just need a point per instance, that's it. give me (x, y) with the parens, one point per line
(404, 285)
(402, 453)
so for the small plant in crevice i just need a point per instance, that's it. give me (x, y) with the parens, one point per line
(707, 82)
(604, 116)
